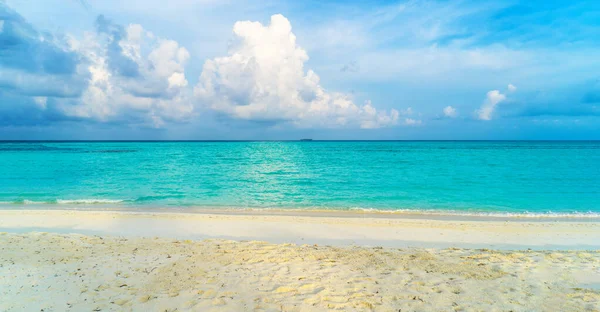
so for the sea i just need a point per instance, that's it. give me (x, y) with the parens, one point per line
(526, 178)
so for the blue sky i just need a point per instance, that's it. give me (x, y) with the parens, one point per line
(209, 69)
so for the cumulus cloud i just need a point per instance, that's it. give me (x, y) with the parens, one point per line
(493, 98)
(125, 82)
(125, 74)
(450, 112)
(263, 78)
(116, 73)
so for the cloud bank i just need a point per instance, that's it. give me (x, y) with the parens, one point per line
(127, 75)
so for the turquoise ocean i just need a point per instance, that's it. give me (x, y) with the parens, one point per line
(457, 177)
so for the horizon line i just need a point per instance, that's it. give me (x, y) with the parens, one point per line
(305, 140)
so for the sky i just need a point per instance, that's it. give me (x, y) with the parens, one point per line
(274, 70)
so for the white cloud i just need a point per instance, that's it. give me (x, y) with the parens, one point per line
(450, 112)
(493, 98)
(177, 80)
(135, 32)
(157, 93)
(263, 78)
(1, 26)
(411, 122)
(168, 58)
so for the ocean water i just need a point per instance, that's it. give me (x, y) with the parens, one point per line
(446, 177)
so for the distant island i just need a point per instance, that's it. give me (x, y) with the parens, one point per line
(306, 139)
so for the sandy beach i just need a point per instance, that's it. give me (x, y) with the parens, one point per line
(63, 260)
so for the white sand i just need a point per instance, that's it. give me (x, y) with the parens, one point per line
(75, 272)
(310, 228)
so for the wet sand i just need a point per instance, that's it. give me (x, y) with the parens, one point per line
(338, 229)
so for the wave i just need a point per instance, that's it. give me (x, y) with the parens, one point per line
(23, 202)
(417, 212)
(89, 201)
(428, 212)
(31, 202)
(474, 213)
(152, 198)
(62, 202)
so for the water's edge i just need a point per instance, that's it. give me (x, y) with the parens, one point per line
(317, 212)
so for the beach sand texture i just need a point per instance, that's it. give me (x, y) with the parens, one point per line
(73, 272)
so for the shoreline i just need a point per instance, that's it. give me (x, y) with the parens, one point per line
(432, 214)
(302, 227)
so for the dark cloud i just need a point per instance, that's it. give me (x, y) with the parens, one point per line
(37, 63)
(117, 61)
(24, 48)
(37, 70)
(18, 110)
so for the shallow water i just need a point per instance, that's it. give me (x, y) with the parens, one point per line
(463, 177)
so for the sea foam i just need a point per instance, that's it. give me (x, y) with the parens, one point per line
(88, 201)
